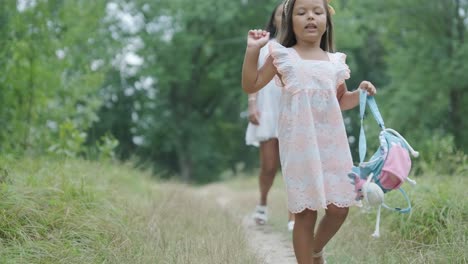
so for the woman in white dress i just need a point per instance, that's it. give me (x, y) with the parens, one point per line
(262, 129)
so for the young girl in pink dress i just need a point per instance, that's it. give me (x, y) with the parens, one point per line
(314, 151)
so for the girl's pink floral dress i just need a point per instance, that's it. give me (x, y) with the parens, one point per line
(314, 150)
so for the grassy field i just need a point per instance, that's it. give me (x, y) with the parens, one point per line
(435, 232)
(84, 212)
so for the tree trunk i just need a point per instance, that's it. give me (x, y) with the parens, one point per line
(455, 117)
(30, 100)
(456, 93)
(185, 162)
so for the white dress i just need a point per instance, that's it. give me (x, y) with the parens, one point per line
(268, 101)
(313, 145)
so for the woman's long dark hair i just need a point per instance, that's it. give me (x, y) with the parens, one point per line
(287, 37)
(270, 27)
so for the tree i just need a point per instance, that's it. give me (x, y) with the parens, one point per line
(425, 43)
(47, 76)
(186, 100)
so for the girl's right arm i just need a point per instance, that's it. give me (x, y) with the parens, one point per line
(252, 79)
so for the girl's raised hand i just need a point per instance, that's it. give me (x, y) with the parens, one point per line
(257, 38)
(369, 87)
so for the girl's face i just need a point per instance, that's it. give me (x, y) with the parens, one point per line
(278, 16)
(309, 20)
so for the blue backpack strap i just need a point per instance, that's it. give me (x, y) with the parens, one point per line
(364, 99)
(362, 134)
(375, 111)
(400, 210)
(370, 100)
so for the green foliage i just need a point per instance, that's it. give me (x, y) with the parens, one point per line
(163, 78)
(69, 142)
(439, 156)
(107, 146)
(412, 51)
(47, 77)
(425, 43)
(188, 122)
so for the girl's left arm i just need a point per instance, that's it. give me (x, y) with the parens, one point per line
(348, 100)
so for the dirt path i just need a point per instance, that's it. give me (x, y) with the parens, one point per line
(270, 246)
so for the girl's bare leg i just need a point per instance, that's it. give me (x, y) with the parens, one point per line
(303, 235)
(269, 159)
(330, 224)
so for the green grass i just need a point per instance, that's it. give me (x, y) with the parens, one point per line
(435, 232)
(84, 212)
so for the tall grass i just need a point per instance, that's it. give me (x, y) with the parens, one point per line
(83, 212)
(436, 231)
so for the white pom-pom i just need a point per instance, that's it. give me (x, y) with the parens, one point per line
(411, 181)
(373, 194)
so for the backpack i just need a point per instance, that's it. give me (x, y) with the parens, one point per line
(387, 169)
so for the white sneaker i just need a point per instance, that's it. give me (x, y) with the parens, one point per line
(260, 215)
(290, 226)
